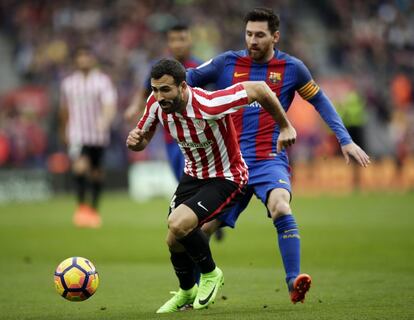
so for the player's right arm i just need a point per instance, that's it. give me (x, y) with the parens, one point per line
(139, 137)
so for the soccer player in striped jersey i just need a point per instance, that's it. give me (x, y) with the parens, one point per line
(88, 107)
(269, 172)
(215, 173)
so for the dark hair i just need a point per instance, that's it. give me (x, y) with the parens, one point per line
(169, 67)
(264, 14)
(178, 27)
(83, 48)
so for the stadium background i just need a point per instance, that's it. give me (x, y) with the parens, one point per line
(360, 52)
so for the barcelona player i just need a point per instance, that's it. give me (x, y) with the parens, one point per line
(269, 176)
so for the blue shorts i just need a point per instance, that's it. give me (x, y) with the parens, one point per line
(264, 176)
(175, 158)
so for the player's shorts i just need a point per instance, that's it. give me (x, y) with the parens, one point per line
(95, 154)
(208, 198)
(264, 176)
(175, 158)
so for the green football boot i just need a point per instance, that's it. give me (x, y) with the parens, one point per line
(209, 285)
(180, 299)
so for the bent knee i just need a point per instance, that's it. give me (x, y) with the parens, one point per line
(178, 226)
(172, 243)
(279, 209)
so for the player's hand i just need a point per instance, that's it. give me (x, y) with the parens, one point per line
(135, 139)
(287, 137)
(352, 149)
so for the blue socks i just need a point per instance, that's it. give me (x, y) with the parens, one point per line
(289, 245)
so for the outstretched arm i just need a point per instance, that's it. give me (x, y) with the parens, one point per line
(328, 113)
(310, 91)
(259, 91)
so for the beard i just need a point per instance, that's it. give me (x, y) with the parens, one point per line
(170, 106)
(257, 55)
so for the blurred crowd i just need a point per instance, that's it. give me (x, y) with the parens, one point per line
(366, 47)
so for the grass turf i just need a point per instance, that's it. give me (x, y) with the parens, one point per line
(358, 249)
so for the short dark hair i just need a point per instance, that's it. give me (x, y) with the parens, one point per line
(83, 48)
(169, 67)
(178, 27)
(264, 14)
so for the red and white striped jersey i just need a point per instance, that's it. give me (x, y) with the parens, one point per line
(85, 96)
(204, 132)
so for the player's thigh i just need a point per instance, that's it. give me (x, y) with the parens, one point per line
(187, 188)
(271, 183)
(182, 220)
(96, 156)
(230, 216)
(214, 198)
(81, 162)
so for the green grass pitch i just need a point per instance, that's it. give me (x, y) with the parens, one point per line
(359, 250)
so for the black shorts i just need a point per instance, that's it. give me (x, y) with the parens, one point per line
(94, 154)
(208, 198)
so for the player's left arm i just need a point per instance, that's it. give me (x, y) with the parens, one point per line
(310, 91)
(109, 105)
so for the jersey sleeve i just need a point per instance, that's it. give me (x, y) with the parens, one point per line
(216, 104)
(149, 120)
(305, 85)
(206, 73)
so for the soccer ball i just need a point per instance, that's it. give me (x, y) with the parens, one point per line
(76, 279)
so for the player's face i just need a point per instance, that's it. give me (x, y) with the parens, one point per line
(85, 60)
(260, 41)
(179, 44)
(168, 94)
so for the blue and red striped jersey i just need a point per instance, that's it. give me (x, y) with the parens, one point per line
(285, 74)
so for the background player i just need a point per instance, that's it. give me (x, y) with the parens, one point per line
(269, 172)
(215, 172)
(179, 45)
(88, 107)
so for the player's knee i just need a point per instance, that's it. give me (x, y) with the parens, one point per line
(279, 209)
(172, 243)
(178, 226)
(80, 166)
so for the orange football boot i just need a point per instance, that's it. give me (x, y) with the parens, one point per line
(86, 217)
(299, 287)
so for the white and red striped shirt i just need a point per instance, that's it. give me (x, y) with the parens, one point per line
(204, 132)
(85, 96)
